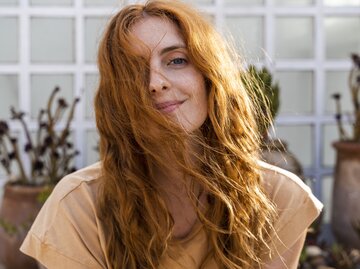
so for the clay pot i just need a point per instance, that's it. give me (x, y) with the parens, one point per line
(18, 210)
(346, 193)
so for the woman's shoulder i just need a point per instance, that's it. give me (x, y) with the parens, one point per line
(287, 191)
(86, 178)
(67, 227)
(275, 180)
(74, 198)
(294, 201)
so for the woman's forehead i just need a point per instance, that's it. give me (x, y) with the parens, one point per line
(156, 34)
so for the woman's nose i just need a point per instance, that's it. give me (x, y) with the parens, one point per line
(158, 82)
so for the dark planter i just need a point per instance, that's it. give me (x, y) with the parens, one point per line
(346, 193)
(18, 210)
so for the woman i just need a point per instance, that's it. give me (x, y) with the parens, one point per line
(179, 184)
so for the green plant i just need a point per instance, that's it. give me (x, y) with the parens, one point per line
(266, 94)
(354, 87)
(50, 152)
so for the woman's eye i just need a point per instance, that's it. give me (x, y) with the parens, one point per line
(178, 61)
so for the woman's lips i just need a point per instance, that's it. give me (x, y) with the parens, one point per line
(169, 106)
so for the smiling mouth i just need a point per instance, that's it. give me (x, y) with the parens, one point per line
(168, 107)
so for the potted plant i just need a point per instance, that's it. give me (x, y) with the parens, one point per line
(49, 154)
(346, 191)
(266, 94)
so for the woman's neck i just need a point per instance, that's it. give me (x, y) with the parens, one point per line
(172, 181)
(174, 188)
(170, 175)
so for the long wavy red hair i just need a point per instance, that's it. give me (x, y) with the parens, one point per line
(137, 222)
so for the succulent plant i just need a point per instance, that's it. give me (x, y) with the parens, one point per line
(266, 93)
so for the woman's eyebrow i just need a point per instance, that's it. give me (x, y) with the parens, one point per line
(171, 48)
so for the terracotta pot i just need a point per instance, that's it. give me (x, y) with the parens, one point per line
(18, 210)
(346, 193)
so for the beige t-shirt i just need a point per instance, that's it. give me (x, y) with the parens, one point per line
(68, 234)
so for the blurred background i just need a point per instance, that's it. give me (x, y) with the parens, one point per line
(305, 44)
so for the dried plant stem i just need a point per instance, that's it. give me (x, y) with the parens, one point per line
(58, 113)
(49, 151)
(341, 129)
(28, 138)
(38, 142)
(38, 133)
(6, 158)
(63, 162)
(51, 100)
(354, 86)
(23, 175)
(62, 139)
(52, 158)
(51, 130)
(68, 158)
(65, 132)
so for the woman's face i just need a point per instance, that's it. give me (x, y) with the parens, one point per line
(177, 88)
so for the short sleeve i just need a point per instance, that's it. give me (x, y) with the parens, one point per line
(65, 233)
(295, 204)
